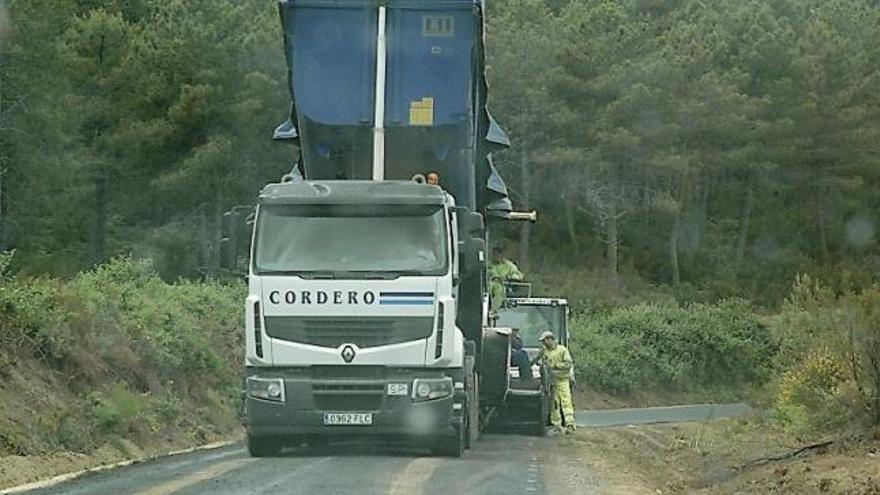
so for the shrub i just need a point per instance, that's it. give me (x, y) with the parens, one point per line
(118, 408)
(809, 396)
(128, 355)
(698, 347)
(845, 329)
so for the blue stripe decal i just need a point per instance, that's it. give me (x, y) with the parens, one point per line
(406, 294)
(406, 302)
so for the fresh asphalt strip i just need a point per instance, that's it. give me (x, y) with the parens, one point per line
(654, 415)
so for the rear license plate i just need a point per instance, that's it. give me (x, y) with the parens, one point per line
(334, 419)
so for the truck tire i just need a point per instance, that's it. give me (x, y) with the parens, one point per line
(262, 446)
(453, 446)
(493, 367)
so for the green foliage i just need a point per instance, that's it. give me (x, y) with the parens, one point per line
(814, 395)
(159, 114)
(118, 409)
(699, 347)
(829, 359)
(141, 357)
(720, 146)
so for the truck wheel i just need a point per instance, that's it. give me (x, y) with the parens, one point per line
(543, 413)
(262, 446)
(453, 446)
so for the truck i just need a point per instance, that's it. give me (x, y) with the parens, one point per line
(528, 403)
(367, 305)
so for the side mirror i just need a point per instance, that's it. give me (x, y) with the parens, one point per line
(470, 223)
(235, 236)
(474, 224)
(229, 228)
(472, 256)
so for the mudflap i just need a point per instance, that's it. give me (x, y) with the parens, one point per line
(493, 367)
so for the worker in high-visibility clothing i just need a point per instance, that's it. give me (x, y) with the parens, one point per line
(557, 361)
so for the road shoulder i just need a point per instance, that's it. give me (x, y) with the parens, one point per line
(67, 466)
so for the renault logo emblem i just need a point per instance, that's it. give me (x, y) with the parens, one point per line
(348, 353)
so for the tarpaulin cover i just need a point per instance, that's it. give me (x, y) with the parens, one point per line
(435, 115)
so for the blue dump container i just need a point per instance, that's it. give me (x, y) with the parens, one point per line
(435, 115)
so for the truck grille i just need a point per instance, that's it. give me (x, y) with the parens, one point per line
(348, 396)
(363, 332)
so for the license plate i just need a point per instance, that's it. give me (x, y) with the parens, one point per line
(397, 389)
(333, 419)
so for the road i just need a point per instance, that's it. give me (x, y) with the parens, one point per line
(499, 464)
(654, 415)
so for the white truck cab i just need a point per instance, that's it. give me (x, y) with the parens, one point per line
(351, 315)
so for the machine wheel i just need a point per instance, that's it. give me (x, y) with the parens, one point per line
(262, 446)
(494, 368)
(543, 415)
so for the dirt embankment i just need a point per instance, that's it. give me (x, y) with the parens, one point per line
(36, 405)
(722, 457)
(114, 364)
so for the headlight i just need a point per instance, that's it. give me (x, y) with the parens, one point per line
(431, 388)
(266, 388)
(423, 391)
(274, 390)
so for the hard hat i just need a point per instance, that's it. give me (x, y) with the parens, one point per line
(547, 335)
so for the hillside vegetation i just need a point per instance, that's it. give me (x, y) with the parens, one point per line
(706, 174)
(116, 357)
(814, 365)
(707, 149)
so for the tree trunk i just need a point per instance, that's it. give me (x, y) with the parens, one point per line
(204, 241)
(216, 218)
(2, 204)
(100, 217)
(3, 161)
(701, 217)
(874, 360)
(570, 229)
(525, 230)
(673, 247)
(744, 219)
(612, 238)
(821, 228)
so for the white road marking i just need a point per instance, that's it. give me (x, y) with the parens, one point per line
(63, 478)
(210, 472)
(412, 480)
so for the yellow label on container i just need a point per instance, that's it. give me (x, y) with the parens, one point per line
(421, 112)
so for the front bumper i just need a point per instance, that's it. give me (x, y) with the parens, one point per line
(311, 392)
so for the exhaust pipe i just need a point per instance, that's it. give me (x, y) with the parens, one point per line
(517, 216)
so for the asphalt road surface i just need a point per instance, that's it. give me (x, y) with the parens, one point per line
(654, 415)
(497, 465)
(500, 464)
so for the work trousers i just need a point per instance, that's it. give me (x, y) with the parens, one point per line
(562, 400)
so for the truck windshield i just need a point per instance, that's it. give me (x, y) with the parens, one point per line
(334, 239)
(532, 321)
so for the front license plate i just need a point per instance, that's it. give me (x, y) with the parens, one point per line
(333, 419)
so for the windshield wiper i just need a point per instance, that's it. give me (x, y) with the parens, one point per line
(334, 275)
(299, 273)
